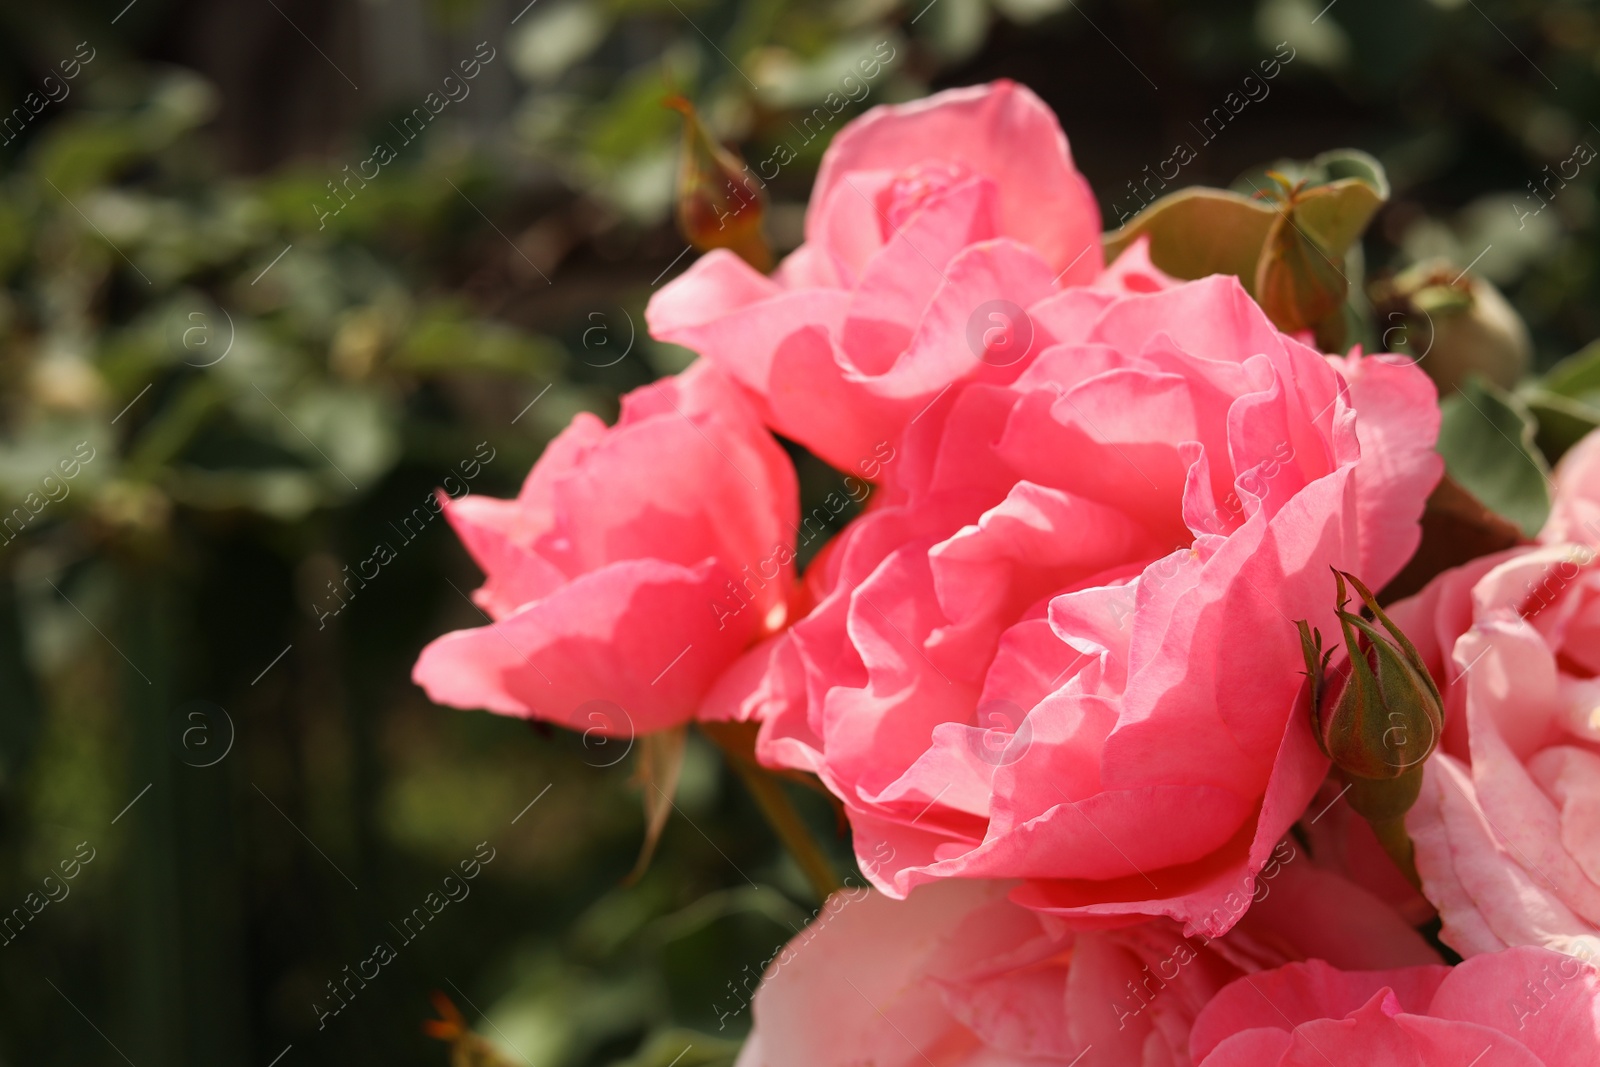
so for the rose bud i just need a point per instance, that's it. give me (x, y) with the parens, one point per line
(1377, 715)
(720, 204)
(1298, 283)
(1454, 324)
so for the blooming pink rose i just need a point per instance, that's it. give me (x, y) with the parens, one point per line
(1527, 1007)
(1507, 827)
(922, 214)
(609, 575)
(1060, 646)
(958, 976)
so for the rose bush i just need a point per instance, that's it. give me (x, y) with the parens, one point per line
(958, 975)
(921, 214)
(1507, 829)
(1529, 1006)
(1058, 647)
(608, 576)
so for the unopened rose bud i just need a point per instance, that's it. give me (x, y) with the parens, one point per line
(1377, 715)
(720, 203)
(1299, 284)
(1453, 323)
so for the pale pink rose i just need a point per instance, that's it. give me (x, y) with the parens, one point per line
(1523, 1007)
(958, 976)
(1059, 646)
(1508, 825)
(611, 577)
(921, 214)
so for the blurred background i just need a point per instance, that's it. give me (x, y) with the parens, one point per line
(240, 344)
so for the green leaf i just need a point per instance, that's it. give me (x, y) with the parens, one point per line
(1563, 422)
(1487, 440)
(1198, 231)
(445, 338)
(1566, 401)
(1333, 167)
(1342, 190)
(683, 1048)
(1577, 376)
(1336, 215)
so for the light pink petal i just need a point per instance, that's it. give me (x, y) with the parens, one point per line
(764, 684)
(1213, 318)
(594, 654)
(1096, 987)
(1133, 271)
(848, 416)
(1485, 896)
(1332, 919)
(1575, 512)
(939, 353)
(901, 278)
(1397, 422)
(745, 342)
(492, 532)
(500, 534)
(1001, 130)
(1299, 993)
(716, 284)
(729, 490)
(1547, 1001)
(1570, 777)
(852, 988)
(1037, 541)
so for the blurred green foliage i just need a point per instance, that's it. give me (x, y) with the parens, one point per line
(267, 397)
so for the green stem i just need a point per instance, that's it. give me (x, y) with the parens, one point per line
(787, 824)
(1397, 843)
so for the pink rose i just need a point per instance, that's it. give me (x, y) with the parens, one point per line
(611, 578)
(1060, 645)
(1508, 825)
(1527, 1006)
(958, 976)
(922, 214)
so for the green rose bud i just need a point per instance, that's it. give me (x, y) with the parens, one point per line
(720, 203)
(1377, 715)
(1454, 324)
(1299, 283)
